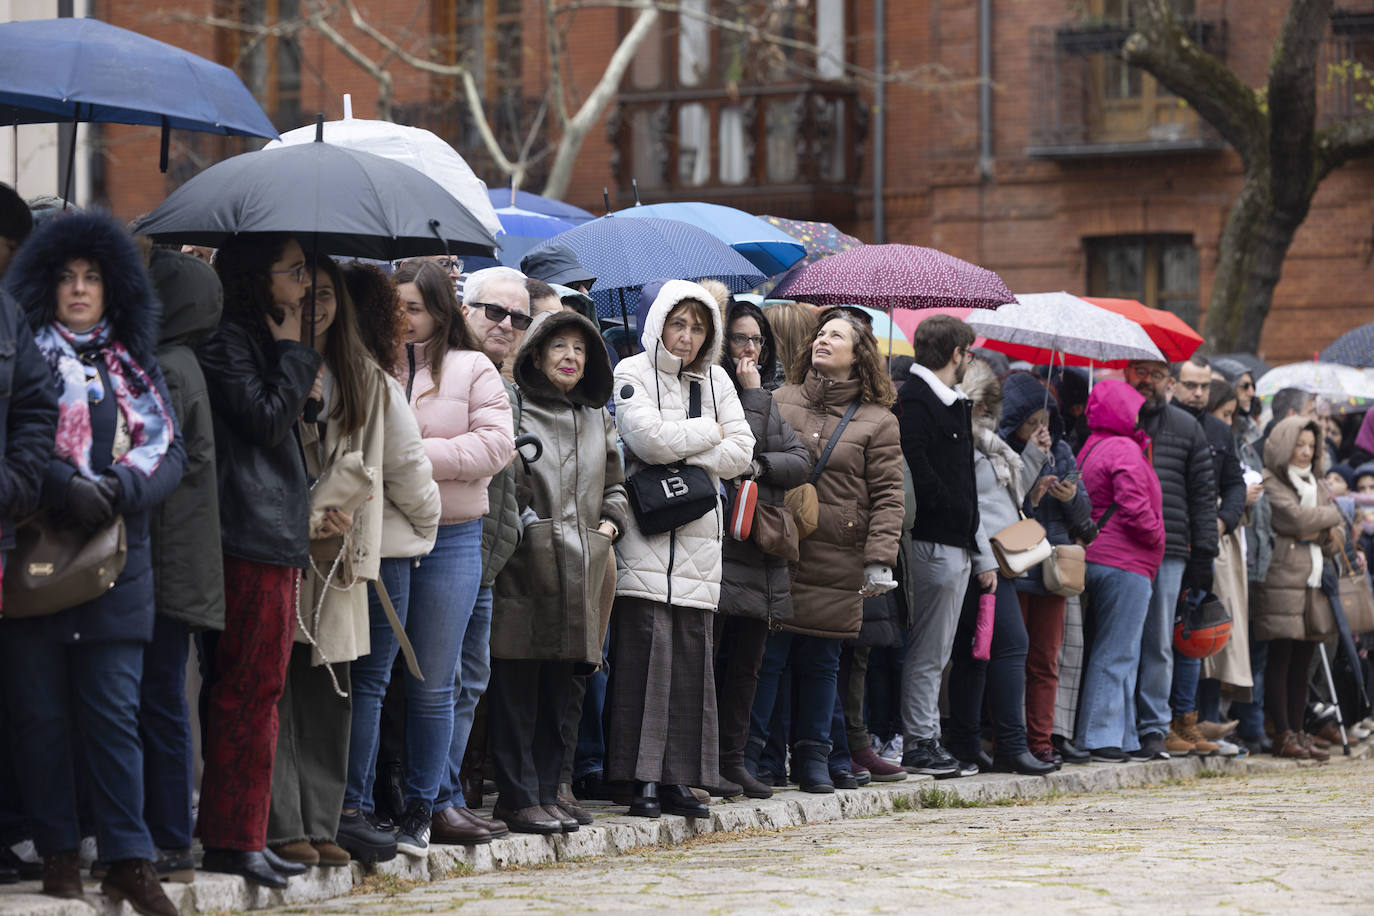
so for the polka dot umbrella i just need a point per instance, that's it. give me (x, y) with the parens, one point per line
(896, 276)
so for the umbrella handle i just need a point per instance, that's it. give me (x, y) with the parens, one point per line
(434, 227)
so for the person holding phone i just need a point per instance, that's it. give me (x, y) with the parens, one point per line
(1031, 425)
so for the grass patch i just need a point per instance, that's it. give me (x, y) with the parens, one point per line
(903, 803)
(935, 797)
(385, 885)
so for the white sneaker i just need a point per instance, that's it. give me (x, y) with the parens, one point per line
(1226, 748)
(87, 853)
(875, 742)
(1359, 732)
(892, 750)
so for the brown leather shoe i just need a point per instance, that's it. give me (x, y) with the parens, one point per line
(300, 851)
(568, 804)
(492, 825)
(449, 828)
(332, 855)
(1329, 734)
(1315, 751)
(1288, 744)
(533, 819)
(135, 880)
(62, 875)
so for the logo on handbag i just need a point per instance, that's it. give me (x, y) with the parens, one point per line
(674, 487)
(40, 569)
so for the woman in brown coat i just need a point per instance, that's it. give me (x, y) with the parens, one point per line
(852, 551)
(1294, 614)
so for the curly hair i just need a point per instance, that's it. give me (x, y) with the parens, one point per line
(875, 387)
(451, 331)
(794, 327)
(244, 265)
(377, 309)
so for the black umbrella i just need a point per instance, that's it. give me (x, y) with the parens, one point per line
(337, 200)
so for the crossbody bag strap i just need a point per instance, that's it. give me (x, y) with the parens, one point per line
(834, 439)
(398, 628)
(1111, 510)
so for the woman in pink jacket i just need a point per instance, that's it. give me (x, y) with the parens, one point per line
(465, 426)
(1128, 509)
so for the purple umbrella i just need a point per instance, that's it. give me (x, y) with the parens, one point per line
(896, 276)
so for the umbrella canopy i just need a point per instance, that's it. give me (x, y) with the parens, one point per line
(895, 276)
(1353, 348)
(1175, 339)
(624, 254)
(892, 340)
(88, 70)
(340, 200)
(765, 246)
(1037, 326)
(819, 240)
(524, 200)
(522, 230)
(412, 146)
(1347, 388)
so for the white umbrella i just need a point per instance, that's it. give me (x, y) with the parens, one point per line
(414, 146)
(1346, 387)
(1037, 326)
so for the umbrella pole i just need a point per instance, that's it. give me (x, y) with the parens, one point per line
(625, 317)
(71, 159)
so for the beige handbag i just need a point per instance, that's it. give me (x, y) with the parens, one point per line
(1020, 546)
(345, 485)
(1064, 570)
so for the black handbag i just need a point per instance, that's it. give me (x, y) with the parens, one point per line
(668, 496)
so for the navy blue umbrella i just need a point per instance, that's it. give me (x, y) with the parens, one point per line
(624, 254)
(1353, 348)
(545, 206)
(766, 246)
(86, 70)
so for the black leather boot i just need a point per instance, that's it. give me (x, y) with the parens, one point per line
(680, 800)
(645, 803)
(811, 766)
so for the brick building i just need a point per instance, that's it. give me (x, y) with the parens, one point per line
(1090, 177)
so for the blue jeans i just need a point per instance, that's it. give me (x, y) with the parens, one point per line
(591, 730)
(1120, 603)
(435, 601)
(814, 664)
(1155, 681)
(164, 724)
(474, 673)
(67, 702)
(1187, 673)
(840, 761)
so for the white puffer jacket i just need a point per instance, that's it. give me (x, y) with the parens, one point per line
(652, 388)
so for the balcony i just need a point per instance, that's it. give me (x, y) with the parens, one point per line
(1087, 102)
(1345, 70)
(785, 149)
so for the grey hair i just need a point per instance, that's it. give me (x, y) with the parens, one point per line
(476, 283)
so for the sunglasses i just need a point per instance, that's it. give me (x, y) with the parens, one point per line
(497, 314)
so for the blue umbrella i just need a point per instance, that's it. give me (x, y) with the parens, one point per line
(87, 70)
(624, 254)
(524, 200)
(767, 247)
(523, 230)
(1353, 348)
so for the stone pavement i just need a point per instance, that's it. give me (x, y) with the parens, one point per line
(907, 820)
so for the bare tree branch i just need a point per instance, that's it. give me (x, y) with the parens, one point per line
(1337, 145)
(1161, 46)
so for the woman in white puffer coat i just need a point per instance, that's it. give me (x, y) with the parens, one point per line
(673, 404)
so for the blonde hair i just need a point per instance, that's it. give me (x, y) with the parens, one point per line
(794, 327)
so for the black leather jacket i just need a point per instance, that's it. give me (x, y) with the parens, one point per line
(258, 388)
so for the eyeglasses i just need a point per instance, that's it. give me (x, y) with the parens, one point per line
(1143, 372)
(296, 273)
(497, 314)
(744, 340)
(452, 265)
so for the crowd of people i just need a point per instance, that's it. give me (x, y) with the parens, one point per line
(414, 528)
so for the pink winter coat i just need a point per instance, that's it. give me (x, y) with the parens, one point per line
(1116, 469)
(465, 427)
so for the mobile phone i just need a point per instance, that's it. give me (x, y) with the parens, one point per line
(1073, 476)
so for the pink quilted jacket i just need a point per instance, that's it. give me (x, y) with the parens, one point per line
(465, 426)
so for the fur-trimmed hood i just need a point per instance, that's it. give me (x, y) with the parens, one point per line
(592, 390)
(130, 301)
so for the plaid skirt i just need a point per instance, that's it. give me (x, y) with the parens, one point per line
(661, 701)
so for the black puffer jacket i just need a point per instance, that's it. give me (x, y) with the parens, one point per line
(258, 387)
(754, 584)
(1230, 479)
(28, 405)
(1183, 463)
(937, 441)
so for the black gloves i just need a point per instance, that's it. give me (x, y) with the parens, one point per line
(1198, 574)
(90, 504)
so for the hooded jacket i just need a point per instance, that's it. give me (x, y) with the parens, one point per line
(653, 390)
(1283, 612)
(501, 524)
(1022, 395)
(755, 584)
(547, 601)
(1183, 462)
(185, 528)
(1116, 472)
(125, 612)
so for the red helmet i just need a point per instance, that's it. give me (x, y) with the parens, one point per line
(1202, 624)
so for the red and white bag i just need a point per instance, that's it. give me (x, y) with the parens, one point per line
(742, 510)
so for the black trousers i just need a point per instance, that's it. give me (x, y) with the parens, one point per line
(526, 700)
(739, 643)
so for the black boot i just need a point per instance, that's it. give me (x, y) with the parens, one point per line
(1025, 763)
(752, 787)
(680, 800)
(250, 866)
(811, 766)
(645, 802)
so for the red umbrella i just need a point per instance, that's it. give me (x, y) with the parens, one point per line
(909, 319)
(895, 276)
(1175, 339)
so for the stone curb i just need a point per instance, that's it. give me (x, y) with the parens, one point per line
(616, 834)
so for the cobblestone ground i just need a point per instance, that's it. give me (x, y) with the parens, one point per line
(1299, 841)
